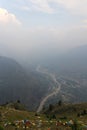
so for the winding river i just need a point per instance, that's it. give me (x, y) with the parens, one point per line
(51, 94)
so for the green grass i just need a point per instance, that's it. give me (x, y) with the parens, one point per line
(69, 111)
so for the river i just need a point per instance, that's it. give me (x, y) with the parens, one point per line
(51, 94)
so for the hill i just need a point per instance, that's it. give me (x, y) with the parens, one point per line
(17, 84)
(63, 118)
(67, 111)
(62, 108)
(12, 79)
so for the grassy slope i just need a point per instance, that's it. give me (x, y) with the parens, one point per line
(70, 111)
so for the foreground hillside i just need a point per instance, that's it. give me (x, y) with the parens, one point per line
(60, 118)
(67, 110)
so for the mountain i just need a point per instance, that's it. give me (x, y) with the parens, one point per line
(37, 86)
(75, 60)
(12, 80)
(17, 84)
(70, 71)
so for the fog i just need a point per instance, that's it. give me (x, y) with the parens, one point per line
(41, 43)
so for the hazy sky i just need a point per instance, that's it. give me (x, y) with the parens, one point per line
(37, 27)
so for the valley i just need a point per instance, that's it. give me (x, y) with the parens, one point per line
(54, 91)
(40, 87)
(64, 87)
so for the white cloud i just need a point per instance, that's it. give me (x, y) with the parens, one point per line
(25, 8)
(85, 21)
(42, 5)
(8, 18)
(73, 6)
(36, 5)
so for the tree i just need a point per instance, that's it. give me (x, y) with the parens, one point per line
(84, 112)
(60, 103)
(51, 107)
(18, 101)
(78, 115)
(53, 116)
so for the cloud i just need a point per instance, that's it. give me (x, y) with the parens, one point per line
(85, 21)
(72, 6)
(36, 5)
(8, 18)
(41, 5)
(25, 8)
(75, 6)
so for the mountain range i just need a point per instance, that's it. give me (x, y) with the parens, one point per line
(31, 87)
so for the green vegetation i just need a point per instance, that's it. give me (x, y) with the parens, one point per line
(1, 128)
(55, 117)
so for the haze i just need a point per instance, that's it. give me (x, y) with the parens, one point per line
(35, 29)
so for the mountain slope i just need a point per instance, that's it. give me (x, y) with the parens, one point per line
(17, 84)
(74, 60)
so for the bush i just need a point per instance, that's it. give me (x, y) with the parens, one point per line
(53, 117)
(50, 107)
(60, 103)
(1, 128)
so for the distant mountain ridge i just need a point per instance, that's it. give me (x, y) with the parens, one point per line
(75, 60)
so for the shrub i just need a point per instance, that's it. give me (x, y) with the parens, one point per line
(1, 128)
